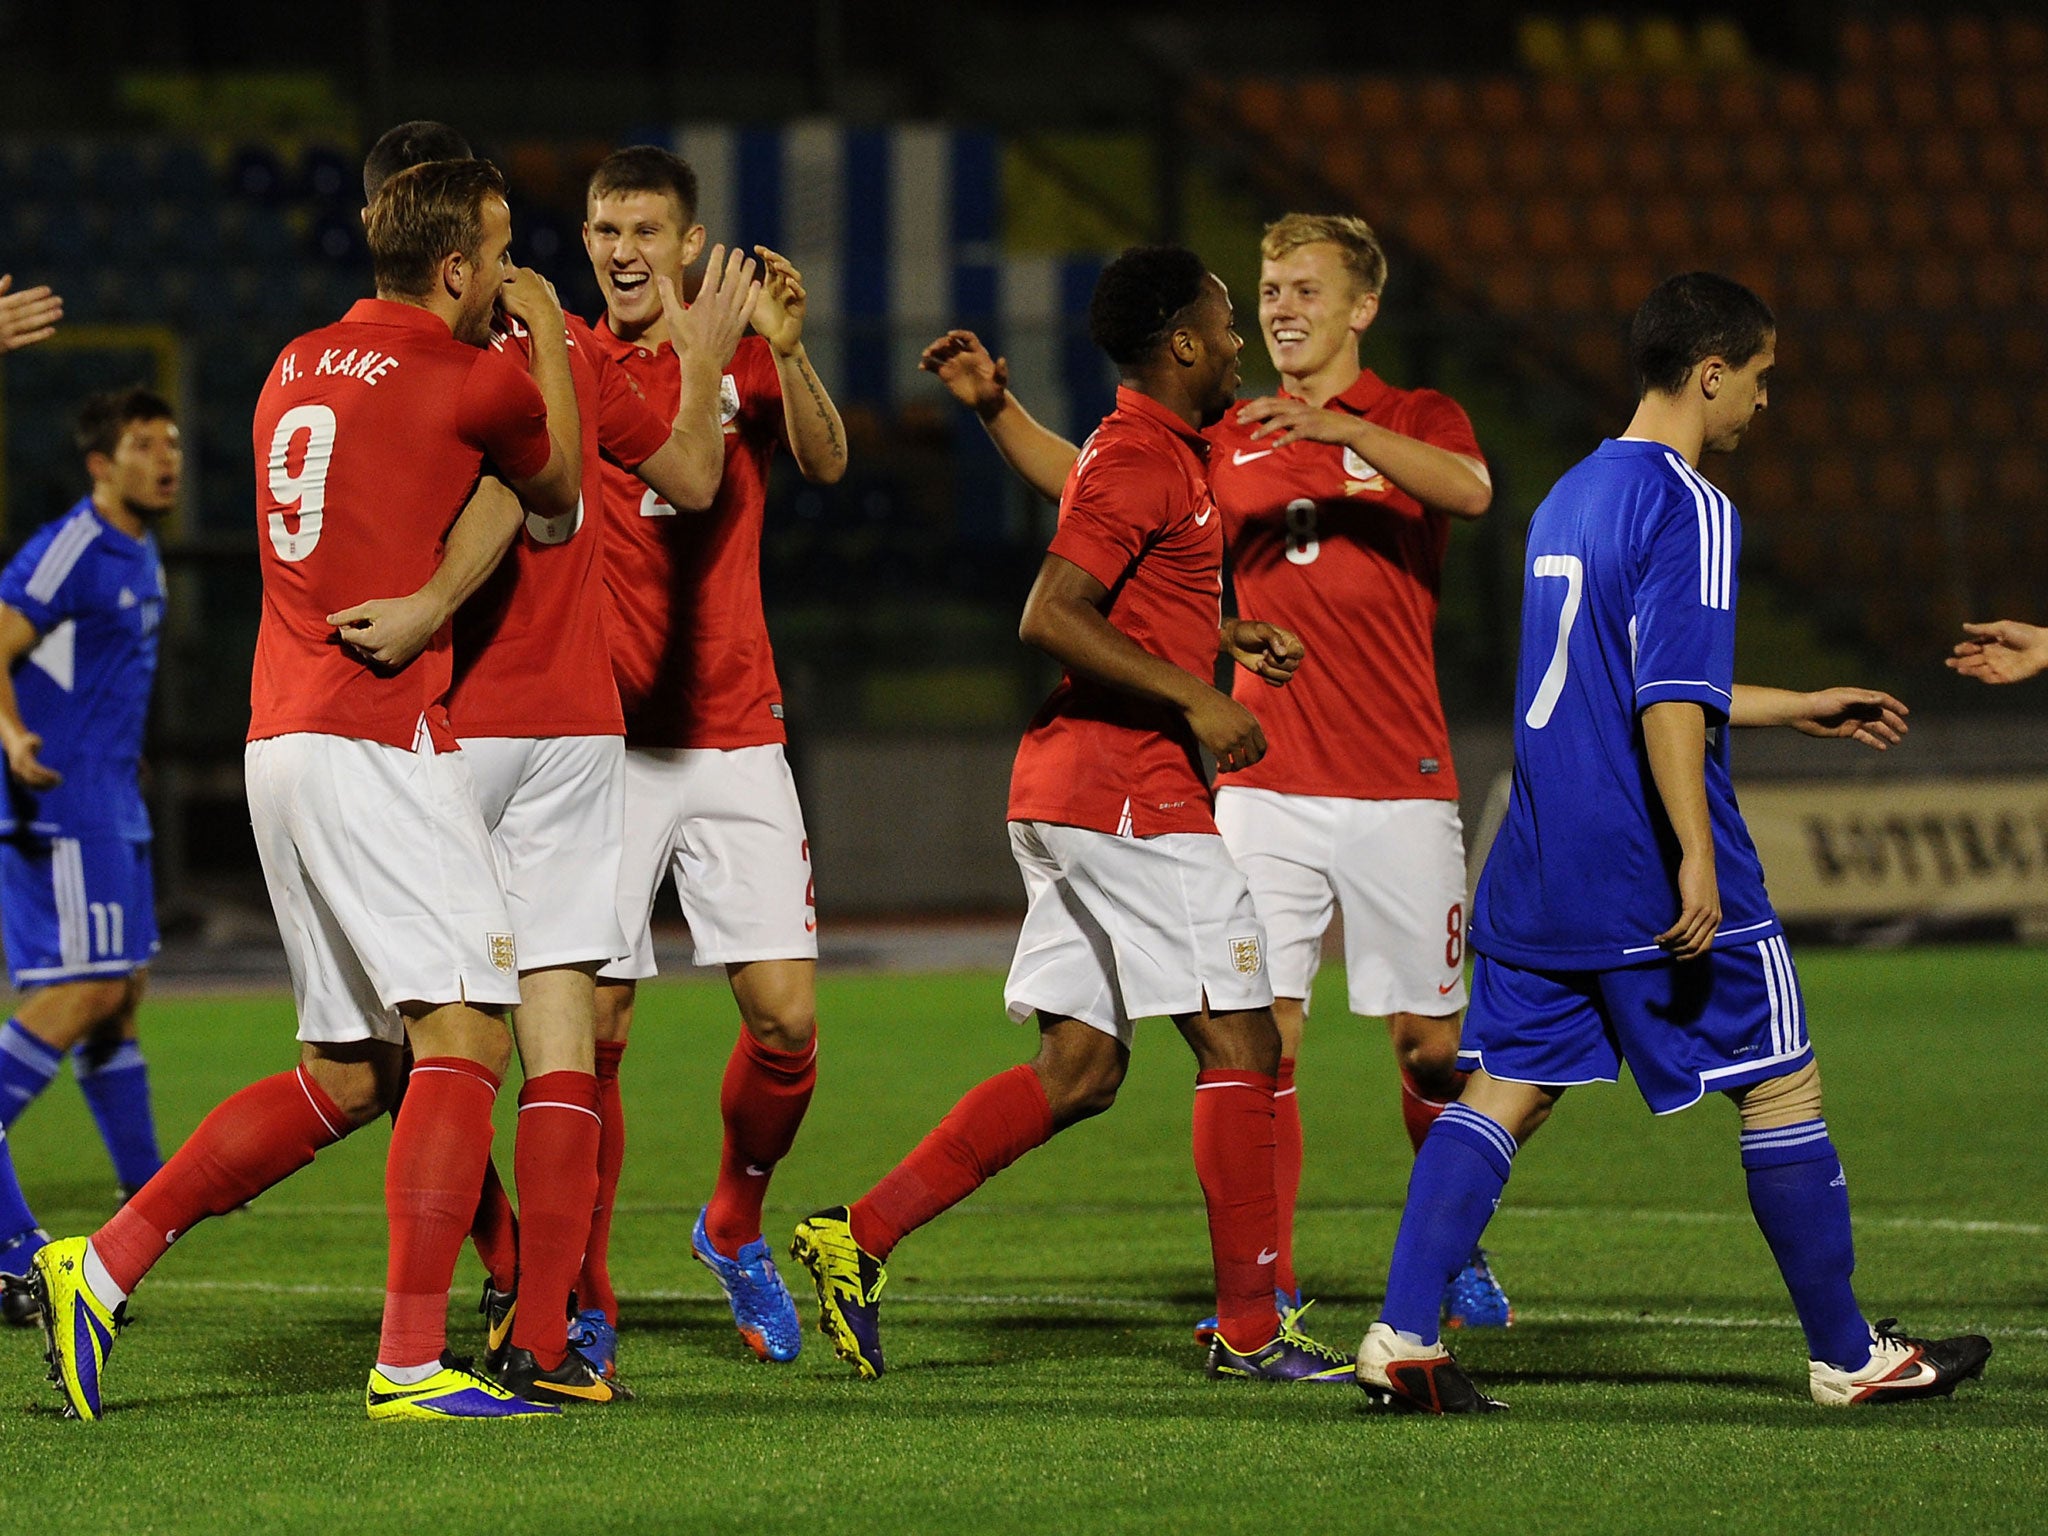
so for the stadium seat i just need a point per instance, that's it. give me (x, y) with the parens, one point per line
(1884, 165)
(1942, 161)
(1856, 42)
(1928, 417)
(1788, 221)
(1857, 104)
(2026, 223)
(1916, 102)
(1842, 351)
(1627, 283)
(1510, 286)
(326, 175)
(1525, 162)
(1832, 485)
(1345, 167)
(1262, 106)
(2022, 351)
(1644, 163)
(1549, 228)
(1486, 229)
(1382, 105)
(1560, 105)
(1428, 224)
(2022, 45)
(1440, 104)
(2027, 101)
(1573, 288)
(1969, 223)
(1678, 104)
(1738, 105)
(1867, 415)
(1797, 105)
(1503, 106)
(1907, 46)
(1619, 104)
(1848, 223)
(1610, 226)
(1762, 161)
(1704, 163)
(1876, 284)
(1965, 350)
(1993, 413)
(1464, 162)
(1672, 228)
(1976, 102)
(1803, 418)
(1583, 162)
(1809, 285)
(1821, 160)
(1935, 283)
(1909, 221)
(1323, 108)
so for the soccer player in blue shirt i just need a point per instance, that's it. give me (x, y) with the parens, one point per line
(80, 607)
(1622, 914)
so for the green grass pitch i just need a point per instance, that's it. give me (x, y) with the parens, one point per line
(1042, 1374)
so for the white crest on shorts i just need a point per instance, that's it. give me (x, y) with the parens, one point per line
(728, 400)
(503, 953)
(1244, 954)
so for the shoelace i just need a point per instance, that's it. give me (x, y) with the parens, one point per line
(1289, 1334)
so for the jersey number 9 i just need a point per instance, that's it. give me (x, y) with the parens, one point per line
(303, 495)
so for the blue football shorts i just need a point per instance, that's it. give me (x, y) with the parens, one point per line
(1729, 1019)
(73, 909)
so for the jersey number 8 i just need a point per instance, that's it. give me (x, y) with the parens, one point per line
(1302, 544)
(303, 495)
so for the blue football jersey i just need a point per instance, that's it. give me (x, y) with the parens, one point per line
(96, 596)
(1628, 600)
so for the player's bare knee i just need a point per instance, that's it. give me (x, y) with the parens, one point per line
(62, 1015)
(1290, 1018)
(1244, 1041)
(614, 1010)
(778, 1001)
(793, 1031)
(1427, 1048)
(1780, 1101)
(362, 1078)
(1080, 1067)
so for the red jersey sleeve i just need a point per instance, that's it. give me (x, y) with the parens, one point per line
(628, 430)
(1441, 422)
(1115, 501)
(503, 415)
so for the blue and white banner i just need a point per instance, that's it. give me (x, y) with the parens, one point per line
(898, 233)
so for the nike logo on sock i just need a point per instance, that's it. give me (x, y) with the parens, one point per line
(1269, 1255)
(756, 1173)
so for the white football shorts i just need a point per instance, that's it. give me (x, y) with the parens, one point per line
(1123, 928)
(381, 875)
(728, 823)
(1396, 867)
(555, 807)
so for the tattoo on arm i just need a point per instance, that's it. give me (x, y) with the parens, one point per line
(823, 406)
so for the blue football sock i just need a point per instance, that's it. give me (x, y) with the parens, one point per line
(26, 1067)
(15, 1216)
(1456, 1183)
(1800, 1198)
(118, 1092)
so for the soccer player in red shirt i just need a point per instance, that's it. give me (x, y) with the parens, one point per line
(708, 790)
(369, 436)
(537, 712)
(1337, 497)
(1135, 908)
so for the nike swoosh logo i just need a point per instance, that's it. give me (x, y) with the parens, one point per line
(1203, 520)
(379, 1399)
(594, 1394)
(1239, 456)
(756, 1173)
(1269, 1255)
(1445, 989)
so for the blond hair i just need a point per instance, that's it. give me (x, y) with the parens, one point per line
(423, 215)
(1356, 244)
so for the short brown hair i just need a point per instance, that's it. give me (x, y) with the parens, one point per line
(423, 215)
(104, 419)
(1353, 237)
(647, 168)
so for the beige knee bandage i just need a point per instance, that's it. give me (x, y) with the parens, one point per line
(1780, 1101)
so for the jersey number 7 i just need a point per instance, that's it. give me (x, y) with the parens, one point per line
(1551, 689)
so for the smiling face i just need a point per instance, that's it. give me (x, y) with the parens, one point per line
(1312, 310)
(632, 238)
(142, 472)
(1211, 322)
(1743, 394)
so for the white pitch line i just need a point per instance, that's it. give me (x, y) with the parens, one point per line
(1133, 1304)
(1577, 1213)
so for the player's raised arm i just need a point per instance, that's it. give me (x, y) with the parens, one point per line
(686, 470)
(391, 631)
(27, 316)
(1039, 456)
(2002, 651)
(17, 638)
(530, 299)
(817, 437)
(1450, 482)
(1867, 715)
(1063, 617)
(1675, 739)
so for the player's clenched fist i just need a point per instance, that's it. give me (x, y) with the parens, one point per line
(1229, 730)
(530, 299)
(1266, 649)
(961, 363)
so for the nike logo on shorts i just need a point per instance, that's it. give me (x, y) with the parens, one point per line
(1446, 989)
(1239, 456)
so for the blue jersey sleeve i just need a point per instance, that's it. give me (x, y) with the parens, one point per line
(43, 581)
(1683, 628)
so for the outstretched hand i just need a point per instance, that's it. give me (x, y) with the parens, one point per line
(961, 363)
(2002, 651)
(710, 327)
(1867, 715)
(779, 316)
(27, 316)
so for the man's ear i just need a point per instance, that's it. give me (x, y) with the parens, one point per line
(1713, 371)
(98, 466)
(693, 244)
(1183, 346)
(1364, 312)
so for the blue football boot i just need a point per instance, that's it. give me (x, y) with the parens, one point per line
(761, 1306)
(1474, 1298)
(592, 1336)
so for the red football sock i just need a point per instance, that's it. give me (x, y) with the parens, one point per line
(257, 1138)
(554, 1162)
(1418, 1111)
(495, 1231)
(994, 1124)
(1286, 1170)
(1234, 1161)
(763, 1099)
(594, 1285)
(432, 1178)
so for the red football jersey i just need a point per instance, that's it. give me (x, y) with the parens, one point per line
(1321, 543)
(369, 437)
(683, 589)
(530, 651)
(1137, 516)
